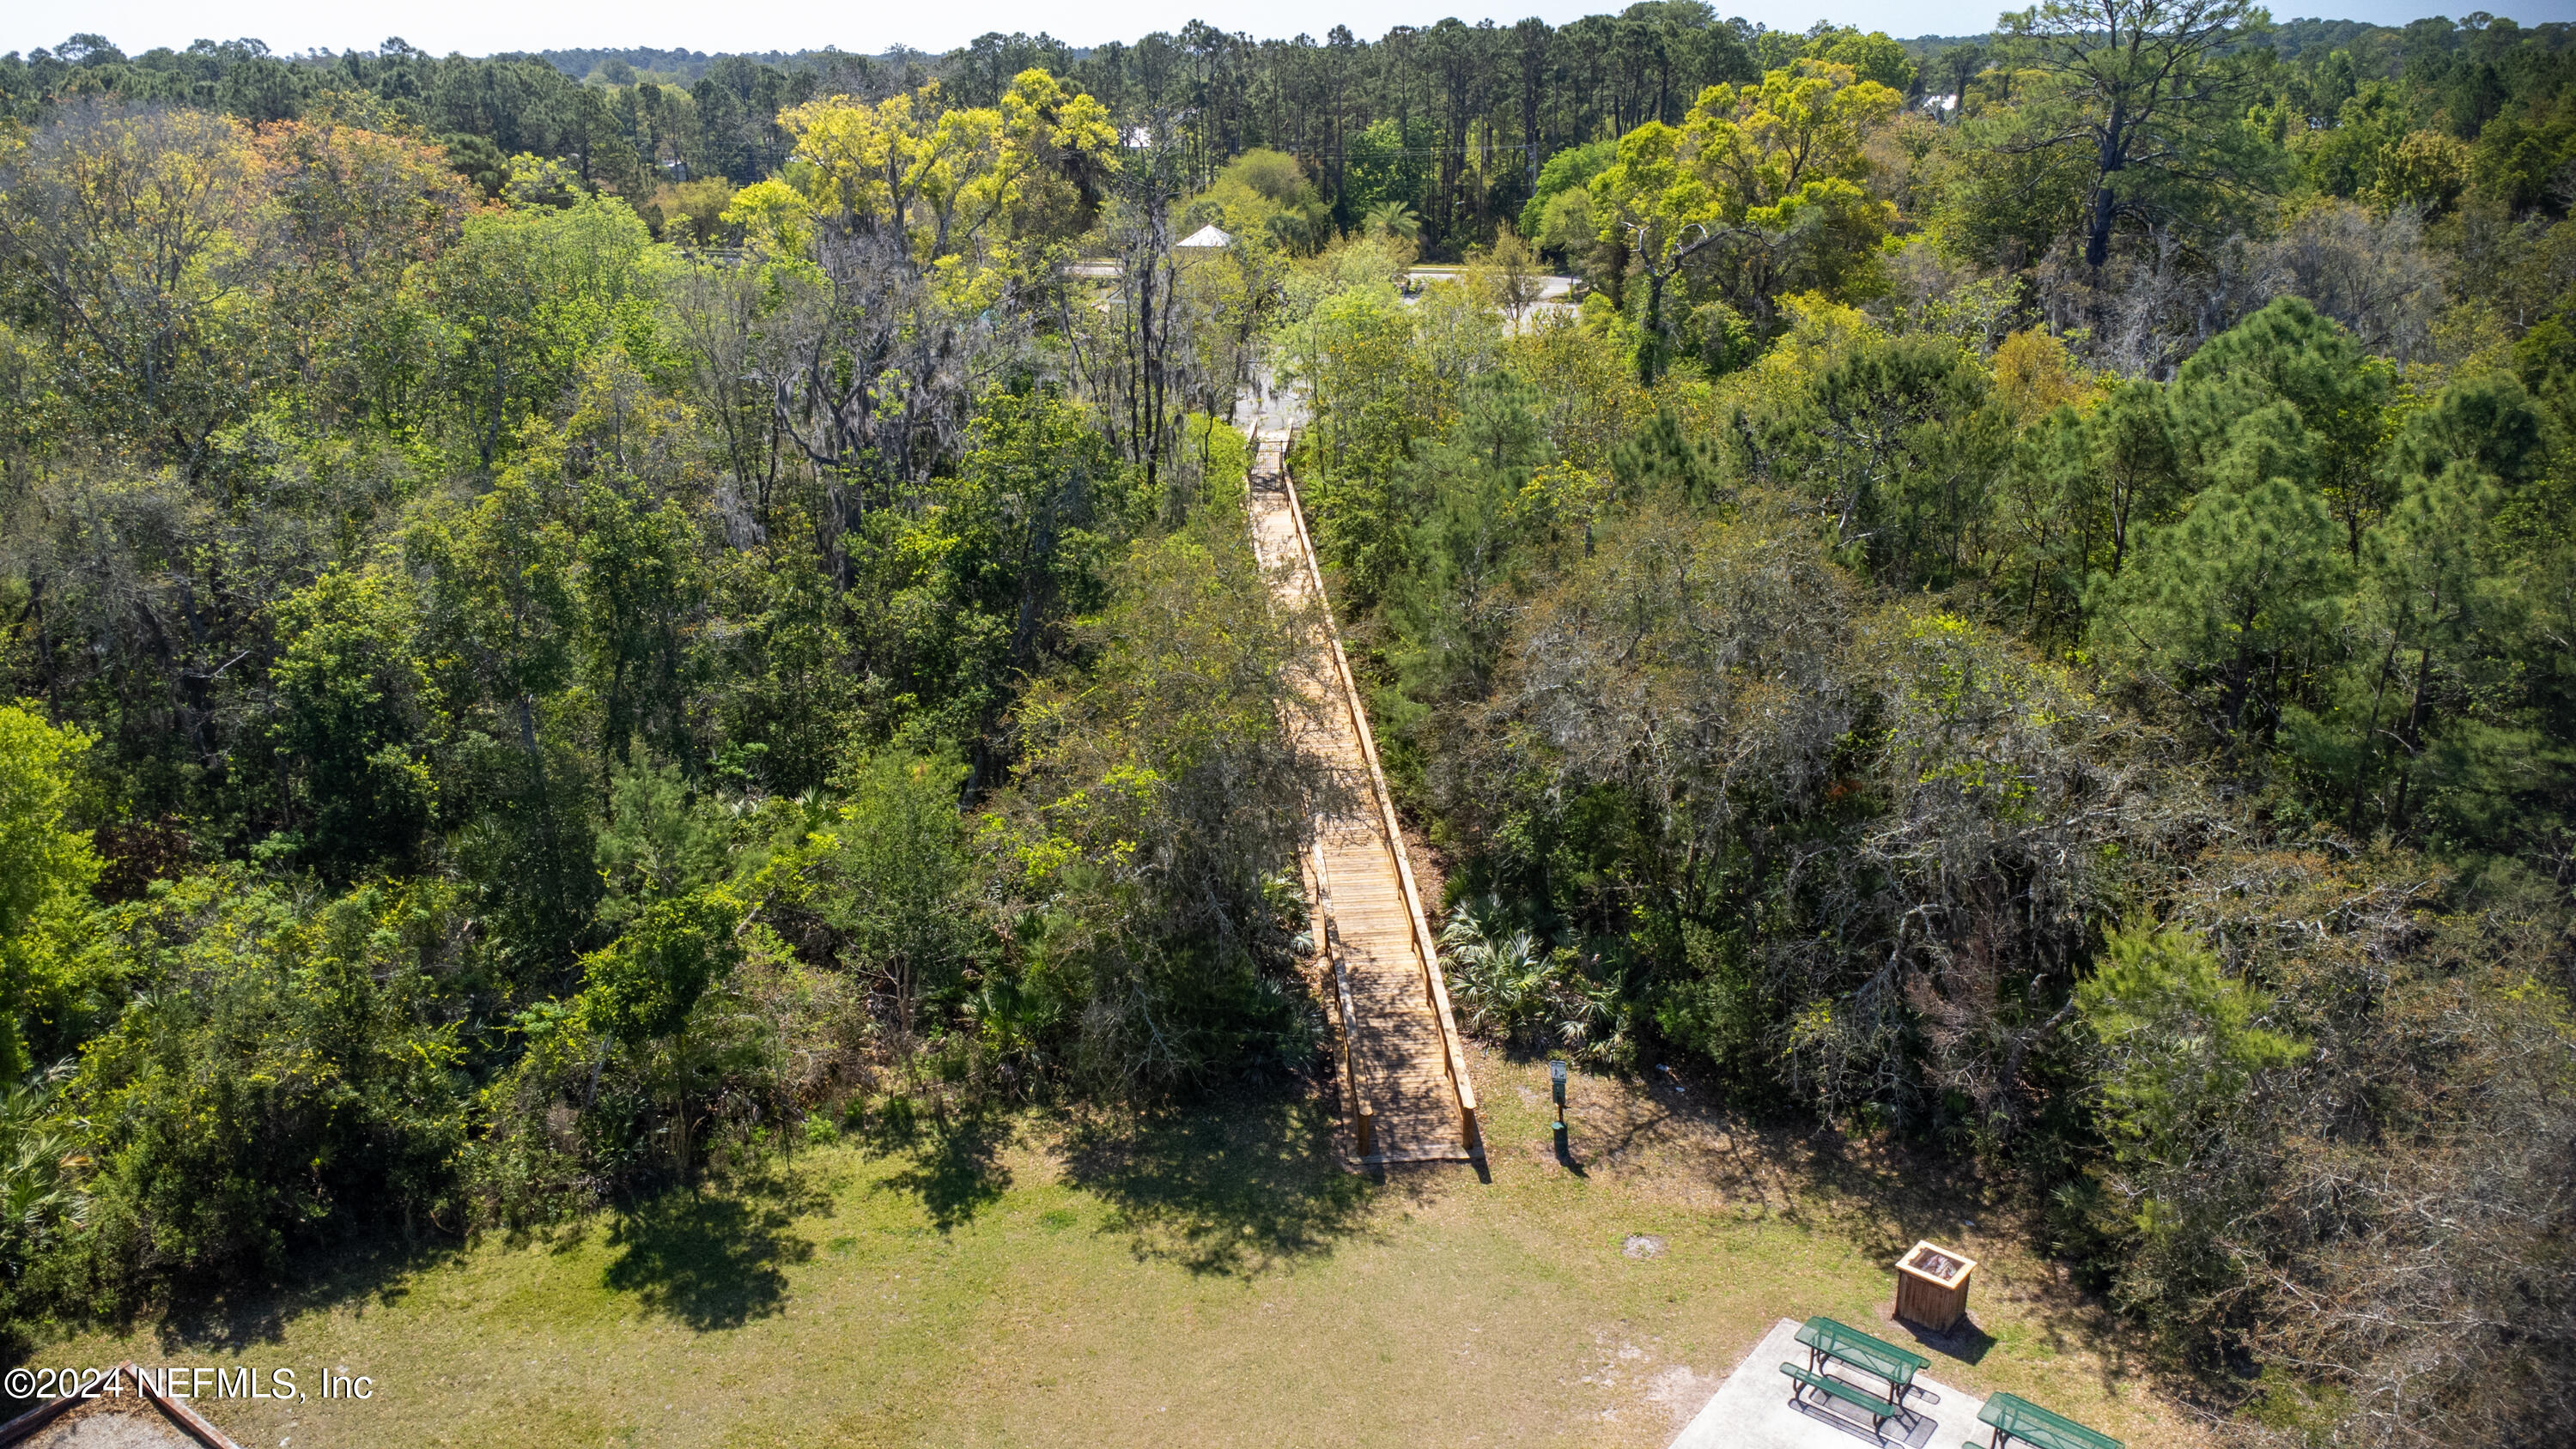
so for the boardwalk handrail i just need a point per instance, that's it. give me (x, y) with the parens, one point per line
(1425, 949)
(1363, 1116)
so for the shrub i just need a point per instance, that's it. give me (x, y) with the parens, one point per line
(285, 1066)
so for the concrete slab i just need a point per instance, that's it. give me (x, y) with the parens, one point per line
(1751, 1410)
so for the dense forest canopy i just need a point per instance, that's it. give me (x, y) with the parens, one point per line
(569, 622)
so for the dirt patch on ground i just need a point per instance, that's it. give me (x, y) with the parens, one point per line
(1681, 1390)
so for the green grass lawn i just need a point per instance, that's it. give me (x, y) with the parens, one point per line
(1209, 1278)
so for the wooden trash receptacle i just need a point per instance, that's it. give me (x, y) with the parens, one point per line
(1932, 1286)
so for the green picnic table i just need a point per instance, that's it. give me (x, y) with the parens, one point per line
(2015, 1417)
(1826, 1339)
(1879, 1410)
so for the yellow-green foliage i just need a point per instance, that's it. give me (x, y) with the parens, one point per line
(46, 867)
(2183, 1041)
(1770, 176)
(1261, 196)
(981, 193)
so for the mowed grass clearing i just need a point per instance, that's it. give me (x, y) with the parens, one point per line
(1208, 1278)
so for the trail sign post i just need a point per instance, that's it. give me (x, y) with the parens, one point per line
(1556, 1082)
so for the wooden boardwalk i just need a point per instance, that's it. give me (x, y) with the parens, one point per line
(1404, 1077)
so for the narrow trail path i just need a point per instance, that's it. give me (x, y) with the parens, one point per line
(1404, 1076)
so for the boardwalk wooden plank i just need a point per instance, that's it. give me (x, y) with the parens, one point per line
(1406, 1074)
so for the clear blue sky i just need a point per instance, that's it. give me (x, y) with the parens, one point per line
(480, 27)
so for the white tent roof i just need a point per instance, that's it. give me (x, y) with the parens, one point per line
(1207, 236)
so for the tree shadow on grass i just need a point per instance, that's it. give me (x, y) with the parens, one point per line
(955, 1166)
(708, 1258)
(354, 1273)
(1234, 1186)
(1876, 1193)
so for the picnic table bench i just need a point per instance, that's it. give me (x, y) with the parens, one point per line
(2015, 1417)
(1879, 1410)
(1826, 1339)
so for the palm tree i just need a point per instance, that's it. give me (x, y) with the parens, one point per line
(1393, 220)
(36, 1196)
(1495, 976)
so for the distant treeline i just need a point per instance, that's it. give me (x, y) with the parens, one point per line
(690, 65)
(1453, 120)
